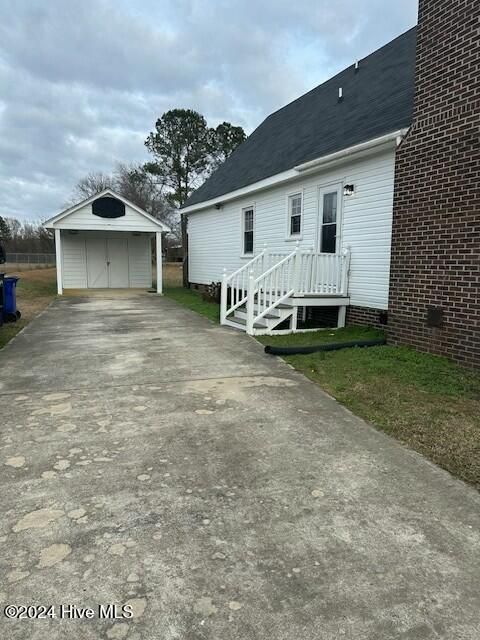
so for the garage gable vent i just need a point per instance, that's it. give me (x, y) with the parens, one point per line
(107, 207)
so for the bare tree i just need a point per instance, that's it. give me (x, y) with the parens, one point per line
(91, 184)
(27, 237)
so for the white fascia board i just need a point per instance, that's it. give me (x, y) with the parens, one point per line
(277, 179)
(325, 162)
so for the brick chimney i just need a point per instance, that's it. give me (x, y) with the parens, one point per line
(435, 265)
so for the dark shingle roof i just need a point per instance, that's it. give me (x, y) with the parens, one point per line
(377, 99)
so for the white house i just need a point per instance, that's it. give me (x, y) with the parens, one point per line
(297, 222)
(105, 242)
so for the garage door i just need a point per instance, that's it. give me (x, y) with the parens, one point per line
(117, 262)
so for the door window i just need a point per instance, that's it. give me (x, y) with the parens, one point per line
(329, 220)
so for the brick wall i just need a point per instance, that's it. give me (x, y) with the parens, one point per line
(366, 316)
(435, 265)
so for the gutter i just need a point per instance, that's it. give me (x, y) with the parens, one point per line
(327, 161)
(362, 148)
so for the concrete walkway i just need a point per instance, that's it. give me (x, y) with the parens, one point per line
(152, 458)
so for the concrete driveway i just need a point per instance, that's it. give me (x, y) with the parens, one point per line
(151, 458)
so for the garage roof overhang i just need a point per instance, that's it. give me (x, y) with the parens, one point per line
(136, 219)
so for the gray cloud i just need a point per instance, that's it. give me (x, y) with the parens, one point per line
(81, 84)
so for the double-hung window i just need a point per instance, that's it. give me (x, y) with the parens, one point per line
(248, 224)
(295, 204)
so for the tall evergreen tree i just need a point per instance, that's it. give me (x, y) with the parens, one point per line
(185, 152)
(5, 233)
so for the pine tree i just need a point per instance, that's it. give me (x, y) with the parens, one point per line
(5, 233)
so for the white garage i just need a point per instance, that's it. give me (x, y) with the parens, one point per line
(105, 242)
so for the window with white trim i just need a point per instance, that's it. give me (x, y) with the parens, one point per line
(248, 221)
(295, 203)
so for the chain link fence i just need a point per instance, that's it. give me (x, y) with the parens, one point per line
(31, 258)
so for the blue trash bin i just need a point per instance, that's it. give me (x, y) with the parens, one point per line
(10, 312)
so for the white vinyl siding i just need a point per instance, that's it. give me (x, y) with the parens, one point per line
(74, 258)
(216, 235)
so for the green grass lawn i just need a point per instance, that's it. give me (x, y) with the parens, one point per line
(194, 301)
(8, 331)
(347, 334)
(425, 401)
(35, 290)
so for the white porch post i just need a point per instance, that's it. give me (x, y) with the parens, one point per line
(298, 286)
(250, 303)
(58, 257)
(158, 244)
(342, 314)
(223, 298)
(294, 320)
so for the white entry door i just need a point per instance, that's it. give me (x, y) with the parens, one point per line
(117, 260)
(97, 268)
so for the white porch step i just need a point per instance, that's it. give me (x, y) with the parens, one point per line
(267, 322)
(241, 324)
(241, 312)
(276, 311)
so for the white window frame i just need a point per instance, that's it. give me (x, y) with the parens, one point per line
(322, 190)
(295, 236)
(250, 207)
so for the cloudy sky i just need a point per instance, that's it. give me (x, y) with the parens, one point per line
(82, 82)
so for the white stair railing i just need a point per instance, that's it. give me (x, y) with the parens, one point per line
(272, 288)
(324, 273)
(271, 278)
(237, 282)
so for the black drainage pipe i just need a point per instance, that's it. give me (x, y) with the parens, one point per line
(332, 346)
